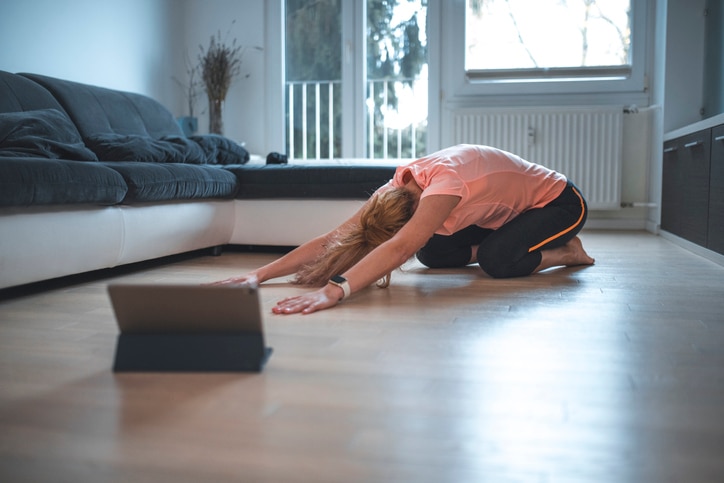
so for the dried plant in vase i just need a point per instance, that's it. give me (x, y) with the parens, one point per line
(220, 64)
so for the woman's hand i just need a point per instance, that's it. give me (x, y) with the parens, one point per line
(248, 280)
(324, 298)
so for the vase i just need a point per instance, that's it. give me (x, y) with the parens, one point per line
(216, 122)
(189, 125)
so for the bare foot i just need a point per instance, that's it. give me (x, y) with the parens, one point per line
(570, 255)
(575, 254)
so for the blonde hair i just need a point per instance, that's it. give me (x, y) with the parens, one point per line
(385, 214)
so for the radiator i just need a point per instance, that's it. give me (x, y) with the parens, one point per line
(585, 144)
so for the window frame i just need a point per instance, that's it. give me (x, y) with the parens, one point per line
(461, 87)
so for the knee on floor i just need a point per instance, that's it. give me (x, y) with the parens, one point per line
(444, 259)
(498, 265)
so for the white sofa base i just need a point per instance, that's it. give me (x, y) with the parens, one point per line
(49, 242)
(43, 243)
(158, 230)
(288, 222)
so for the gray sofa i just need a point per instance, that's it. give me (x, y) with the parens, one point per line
(94, 178)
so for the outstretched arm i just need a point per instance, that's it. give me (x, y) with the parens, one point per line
(430, 215)
(294, 260)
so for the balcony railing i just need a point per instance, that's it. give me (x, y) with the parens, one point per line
(314, 121)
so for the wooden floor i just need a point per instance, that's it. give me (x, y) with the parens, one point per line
(610, 373)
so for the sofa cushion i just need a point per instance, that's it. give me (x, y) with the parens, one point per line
(44, 133)
(130, 147)
(221, 150)
(305, 181)
(30, 181)
(170, 181)
(97, 110)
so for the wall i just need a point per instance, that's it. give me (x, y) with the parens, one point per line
(243, 20)
(714, 59)
(658, 88)
(684, 90)
(116, 44)
(139, 46)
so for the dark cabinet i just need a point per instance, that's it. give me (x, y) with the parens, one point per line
(685, 189)
(716, 191)
(692, 204)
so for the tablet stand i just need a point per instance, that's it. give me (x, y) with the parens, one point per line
(191, 352)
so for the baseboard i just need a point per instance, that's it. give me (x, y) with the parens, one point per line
(615, 224)
(693, 247)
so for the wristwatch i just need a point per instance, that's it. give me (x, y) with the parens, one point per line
(342, 283)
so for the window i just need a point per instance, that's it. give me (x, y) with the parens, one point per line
(523, 39)
(543, 52)
(355, 78)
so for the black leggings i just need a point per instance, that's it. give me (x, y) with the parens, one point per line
(514, 249)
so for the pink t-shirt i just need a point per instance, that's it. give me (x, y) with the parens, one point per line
(494, 186)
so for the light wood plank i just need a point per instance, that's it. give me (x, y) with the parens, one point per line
(604, 373)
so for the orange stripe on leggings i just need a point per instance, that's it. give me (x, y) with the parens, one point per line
(547, 240)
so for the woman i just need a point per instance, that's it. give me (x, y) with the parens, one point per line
(460, 205)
